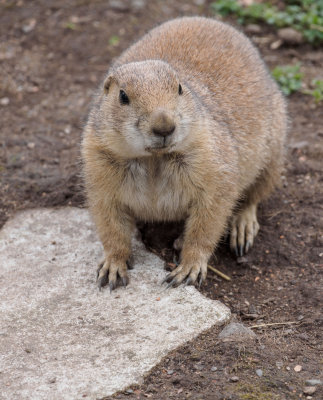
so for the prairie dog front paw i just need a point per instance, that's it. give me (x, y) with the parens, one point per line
(192, 272)
(110, 271)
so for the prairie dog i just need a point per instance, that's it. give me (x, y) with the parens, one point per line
(188, 124)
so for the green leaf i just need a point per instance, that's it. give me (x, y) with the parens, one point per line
(114, 40)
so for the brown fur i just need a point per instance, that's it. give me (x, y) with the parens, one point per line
(227, 146)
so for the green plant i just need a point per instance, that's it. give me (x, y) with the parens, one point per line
(288, 77)
(114, 40)
(71, 26)
(305, 16)
(317, 91)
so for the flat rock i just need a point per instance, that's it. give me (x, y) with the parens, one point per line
(60, 338)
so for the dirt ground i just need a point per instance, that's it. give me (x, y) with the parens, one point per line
(53, 55)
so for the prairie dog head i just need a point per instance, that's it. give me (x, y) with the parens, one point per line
(145, 110)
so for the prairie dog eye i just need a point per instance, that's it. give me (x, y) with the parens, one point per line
(180, 90)
(123, 98)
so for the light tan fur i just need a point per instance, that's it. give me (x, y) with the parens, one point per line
(207, 155)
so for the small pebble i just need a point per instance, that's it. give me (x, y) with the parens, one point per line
(129, 391)
(253, 28)
(259, 372)
(234, 379)
(118, 5)
(29, 25)
(313, 382)
(309, 389)
(298, 368)
(4, 101)
(242, 260)
(299, 145)
(252, 309)
(290, 36)
(279, 364)
(170, 372)
(288, 368)
(276, 44)
(138, 4)
(214, 369)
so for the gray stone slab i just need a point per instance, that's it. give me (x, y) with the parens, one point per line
(60, 338)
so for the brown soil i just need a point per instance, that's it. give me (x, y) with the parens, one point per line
(53, 54)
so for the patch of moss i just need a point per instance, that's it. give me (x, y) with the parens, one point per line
(247, 391)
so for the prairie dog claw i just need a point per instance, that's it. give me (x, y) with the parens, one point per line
(244, 229)
(109, 271)
(190, 272)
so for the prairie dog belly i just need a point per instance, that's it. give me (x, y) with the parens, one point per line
(153, 191)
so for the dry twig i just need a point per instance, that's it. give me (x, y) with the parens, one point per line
(216, 271)
(273, 324)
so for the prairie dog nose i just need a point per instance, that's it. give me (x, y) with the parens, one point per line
(162, 124)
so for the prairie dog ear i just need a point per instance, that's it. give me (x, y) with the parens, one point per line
(107, 83)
